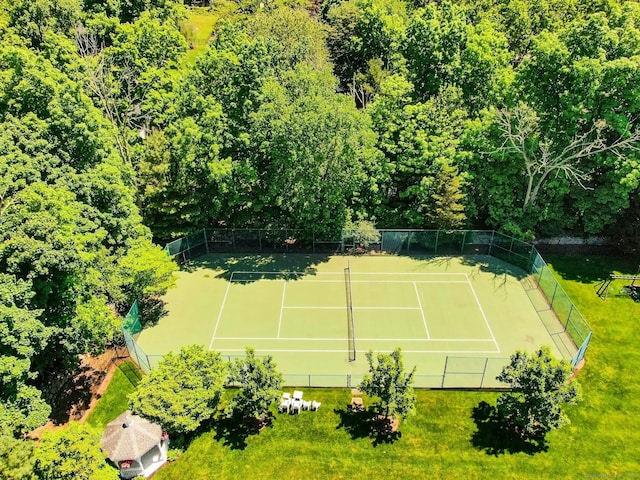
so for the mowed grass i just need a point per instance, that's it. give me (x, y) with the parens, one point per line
(603, 440)
(200, 25)
(114, 401)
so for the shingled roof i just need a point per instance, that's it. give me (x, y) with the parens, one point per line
(129, 437)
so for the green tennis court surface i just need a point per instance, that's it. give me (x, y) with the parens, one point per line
(456, 319)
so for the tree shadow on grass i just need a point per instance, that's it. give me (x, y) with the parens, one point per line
(368, 424)
(233, 430)
(495, 437)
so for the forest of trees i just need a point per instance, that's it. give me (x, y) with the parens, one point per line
(517, 115)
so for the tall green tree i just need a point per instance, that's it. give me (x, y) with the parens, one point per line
(260, 384)
(420, 184)
(72, 453)
(389, 384)
(16, 458)
(365, 34)
(182, 391)
(540, 386)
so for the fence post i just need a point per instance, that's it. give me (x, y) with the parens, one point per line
(566, 325)
(484, 371)
(464, 238)
(444, 373)
(435, 250)
(206, 243)
(493, 234)
(553, 297)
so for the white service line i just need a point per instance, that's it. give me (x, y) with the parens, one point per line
(337, 339)
(227, 350)
(224, 299)
(486, 321)
(284, 289)
(424, 319)
(302, 307)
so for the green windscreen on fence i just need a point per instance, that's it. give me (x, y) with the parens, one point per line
(132, 320)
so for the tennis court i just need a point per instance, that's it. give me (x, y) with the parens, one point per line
(461, 316)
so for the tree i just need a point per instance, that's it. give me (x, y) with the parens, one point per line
(148, 270)
(420, 184)
(260, 384)
(543, 158)
(365, 36)
(390, 384)
(72, 453)
(182, 391)
(364, 232)
(16, 458)
(539, 386)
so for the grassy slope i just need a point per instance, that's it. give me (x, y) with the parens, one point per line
(602, 440)
(114, 401)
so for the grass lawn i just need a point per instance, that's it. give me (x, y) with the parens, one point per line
(200, 24)
(442, 440)
(114, 401)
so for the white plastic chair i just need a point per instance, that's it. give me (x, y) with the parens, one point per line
(285, 402)
(315, 405)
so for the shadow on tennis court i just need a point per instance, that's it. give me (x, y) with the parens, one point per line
(496, 438)
(367, 424)
(259, 266)
(152, 310)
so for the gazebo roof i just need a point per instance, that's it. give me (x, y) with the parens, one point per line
(129, 437)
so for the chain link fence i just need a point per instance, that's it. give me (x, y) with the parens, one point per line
(459, 371)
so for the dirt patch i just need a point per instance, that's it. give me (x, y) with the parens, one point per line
(73, 396)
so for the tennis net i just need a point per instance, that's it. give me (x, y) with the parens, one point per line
(350, 327)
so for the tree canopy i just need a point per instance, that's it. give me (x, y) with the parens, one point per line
(540, 386)
(115, 136)
(389, 384)
(182, 391)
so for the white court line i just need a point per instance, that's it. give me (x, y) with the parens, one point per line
(342, 273)
(424, 319)
(226, 350)
(224, 299)
(486, 321)
(337, 339)
(361, 281)
(303, 307)
(284, 289)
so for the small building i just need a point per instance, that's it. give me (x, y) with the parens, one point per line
(135, 445)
